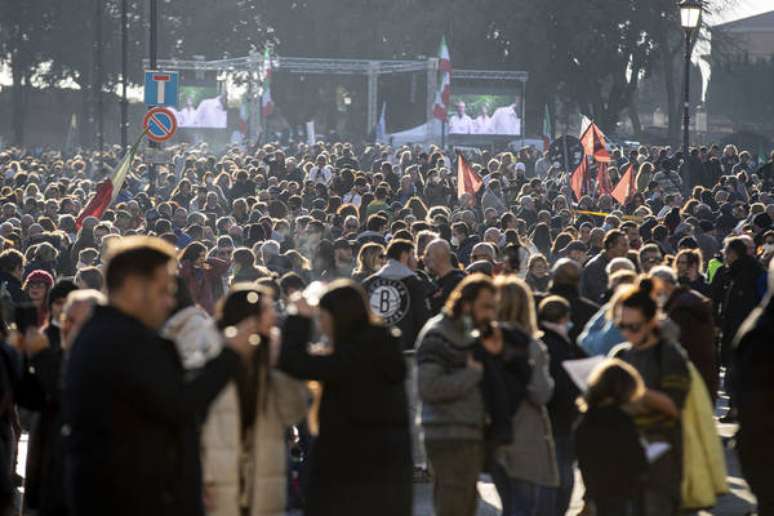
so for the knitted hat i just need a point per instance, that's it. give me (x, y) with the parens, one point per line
(40, 276)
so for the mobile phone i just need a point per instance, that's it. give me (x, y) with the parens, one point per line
(26, 316)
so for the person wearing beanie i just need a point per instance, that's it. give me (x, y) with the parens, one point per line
(36, 287)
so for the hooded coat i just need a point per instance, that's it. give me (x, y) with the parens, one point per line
(360, 462)
(400, 298)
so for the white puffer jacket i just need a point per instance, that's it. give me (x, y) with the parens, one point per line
(198, 340)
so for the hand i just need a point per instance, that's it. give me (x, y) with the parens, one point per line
(474, 364)
(494, 343)
(299, 306)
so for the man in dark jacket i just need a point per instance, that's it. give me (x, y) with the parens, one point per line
(438, 261)
(554, 315)
(594, 279)
(397, 295)
(745, 286)
(754, 356)
(131, 416)
(566, 284)
(12, 265)
(463, 241)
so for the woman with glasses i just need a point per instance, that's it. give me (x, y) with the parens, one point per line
(370, 259)
(663, 366)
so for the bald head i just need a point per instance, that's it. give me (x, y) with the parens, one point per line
(437, 257)
(567, 272)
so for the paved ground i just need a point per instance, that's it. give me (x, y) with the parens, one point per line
(739, 502)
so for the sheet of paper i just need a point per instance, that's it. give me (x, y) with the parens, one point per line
(579, 370)
(654, 451)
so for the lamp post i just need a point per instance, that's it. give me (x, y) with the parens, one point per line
(690, 15)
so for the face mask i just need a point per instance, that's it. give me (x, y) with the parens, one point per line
(661, 300)
(568, 326)
(455, 241)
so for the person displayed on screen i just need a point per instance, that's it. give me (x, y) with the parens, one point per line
(506, 119)
(482, 124)
(212, 112)
(186, 117)
(460, 122)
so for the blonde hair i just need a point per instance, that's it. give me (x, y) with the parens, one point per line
(516, 304)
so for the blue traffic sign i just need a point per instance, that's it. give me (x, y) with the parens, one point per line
(161, 88)
(160, 124)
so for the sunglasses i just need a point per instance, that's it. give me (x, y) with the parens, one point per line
(630, 327)
(477, 257)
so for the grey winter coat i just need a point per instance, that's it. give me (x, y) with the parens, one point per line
(452, 404)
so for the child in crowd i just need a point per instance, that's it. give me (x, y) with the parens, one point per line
(610, 454)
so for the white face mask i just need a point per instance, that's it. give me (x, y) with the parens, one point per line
(455, 241)
(768, 248)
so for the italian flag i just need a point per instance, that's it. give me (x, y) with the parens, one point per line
(108, 190)
(548, 132)
(267, 105)
(443, 95)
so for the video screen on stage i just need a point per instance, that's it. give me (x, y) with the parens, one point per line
(485, 113)
(202, 107)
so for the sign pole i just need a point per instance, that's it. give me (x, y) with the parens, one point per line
(124, 64)
(153, 47)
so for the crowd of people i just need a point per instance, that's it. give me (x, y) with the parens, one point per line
(320, 327)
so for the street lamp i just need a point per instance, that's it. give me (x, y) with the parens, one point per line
(690, 15)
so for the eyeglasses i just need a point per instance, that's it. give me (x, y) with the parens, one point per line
(477, 257)
(630, 327)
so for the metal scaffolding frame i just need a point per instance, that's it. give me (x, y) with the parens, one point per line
(372, 69)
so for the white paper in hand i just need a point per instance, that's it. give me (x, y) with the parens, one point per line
(579, 370)
(654, 451)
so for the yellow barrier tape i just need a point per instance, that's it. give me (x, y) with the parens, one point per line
(603, 214)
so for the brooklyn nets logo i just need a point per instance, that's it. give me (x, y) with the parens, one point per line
(389, 299)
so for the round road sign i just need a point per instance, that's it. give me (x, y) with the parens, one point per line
(160, 124)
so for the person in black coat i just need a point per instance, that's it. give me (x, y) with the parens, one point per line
(360, 462)
(745, 280)
(610, 455)
(554, 317)
(565, 283)
(131, 416)
(754, 356)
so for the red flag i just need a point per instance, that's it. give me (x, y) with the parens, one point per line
(98, 203)
(626, 187)
(594, 144)
(604, 185)
(467, 179)
(578, 178)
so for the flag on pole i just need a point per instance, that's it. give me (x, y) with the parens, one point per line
(548, 133)
(579, 178)
(626, 187)
(443, 94)
(468, 181)
(108, 190)
(604, 184)
(267, 105)
(595, 144)
(585, 123)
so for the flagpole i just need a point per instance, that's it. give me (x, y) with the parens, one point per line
(443, 135)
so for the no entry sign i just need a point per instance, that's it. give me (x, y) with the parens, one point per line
(160, 124)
